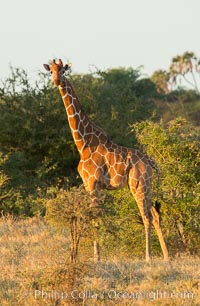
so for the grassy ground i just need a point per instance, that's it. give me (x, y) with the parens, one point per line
(35, 271)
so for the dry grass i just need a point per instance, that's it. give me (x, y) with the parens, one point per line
(35, 271)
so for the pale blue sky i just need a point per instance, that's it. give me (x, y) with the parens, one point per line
(103, 33)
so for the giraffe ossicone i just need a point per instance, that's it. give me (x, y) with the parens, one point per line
(106, 165)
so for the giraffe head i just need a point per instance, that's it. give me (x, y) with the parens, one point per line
(57, 70)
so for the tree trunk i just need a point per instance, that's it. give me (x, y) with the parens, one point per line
(74, 241)
(181, 233)
(96, 251)
(96, 243)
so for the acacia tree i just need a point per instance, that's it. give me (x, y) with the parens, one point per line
(71, 210)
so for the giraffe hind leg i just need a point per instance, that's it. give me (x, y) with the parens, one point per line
(156, 224)
(144, 209)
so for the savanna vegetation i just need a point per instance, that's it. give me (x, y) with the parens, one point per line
(39, 180)
(34, 271)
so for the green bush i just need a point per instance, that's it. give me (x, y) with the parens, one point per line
(175, 147)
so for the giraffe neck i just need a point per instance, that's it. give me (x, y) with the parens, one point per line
(84, 131)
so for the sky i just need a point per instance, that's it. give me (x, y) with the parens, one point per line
(97, 33)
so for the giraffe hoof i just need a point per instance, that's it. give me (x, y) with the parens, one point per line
(166, 259)
(94, 205)
(148, 259)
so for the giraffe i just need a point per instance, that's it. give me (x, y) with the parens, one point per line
(106, 165)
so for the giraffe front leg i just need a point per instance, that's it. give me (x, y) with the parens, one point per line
(91, 176)
(92, 188)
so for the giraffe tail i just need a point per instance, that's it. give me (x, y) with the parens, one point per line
(157, 206)
(156, 168)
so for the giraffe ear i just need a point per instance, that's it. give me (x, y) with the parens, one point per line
(66, 67)
(46, 67)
